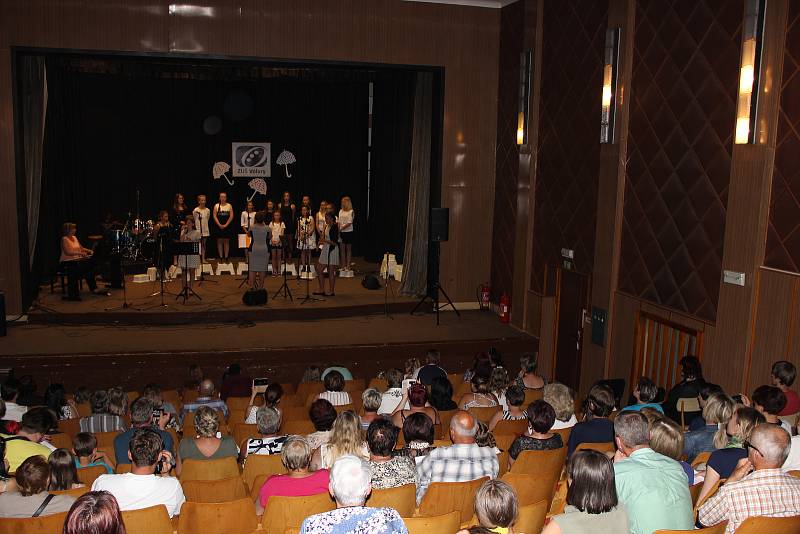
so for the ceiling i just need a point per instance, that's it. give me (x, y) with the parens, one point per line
(494, 4)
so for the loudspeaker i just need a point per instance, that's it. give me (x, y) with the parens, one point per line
(255, 297)
(371, 281)
(440, 224)
(2, 314)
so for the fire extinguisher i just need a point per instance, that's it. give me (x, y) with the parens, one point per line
(483, 300)
(505, 311)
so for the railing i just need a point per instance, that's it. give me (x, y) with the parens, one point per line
(660, 344)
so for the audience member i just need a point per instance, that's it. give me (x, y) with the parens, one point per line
(592, 504)
(334, 390)
(28, 441)
(417, 397)
(6, 483)
(322, 415)
(7, 427)
(95, 512)
(717, 412)
(645, 391)
(757, 487)
(141, 488)
(388, 471)
(350, 487)
(235, 383)
(268, 421)
(300, 481)
(723, 461)
(792, 462)
(688, 387)
(514, 397)
(117, 402)
(86, 454)
(498, 384)
(272, 399)
(341, 369)
(442, 395)
(770, 401)
(562, 399)
(481, 366)
(462, 461)
(432, 368)
(706, 390)
(194, 377)
(142, 417)
(208, 443)
(346, 439)
(411, 367)
(538, 436)
(82, 395)
(31, 497)
(370, 401)
(596, 427)
(54, 398)
(101, 419)
(480, 396)
(666, 437)
(394, 391)
(312, 373)
(783, 375)
(152, 392)
(418, 432)
(27, 391)
(496, 506)
(206, 398)
(484, 438)
(653, 488)
(10, 394)
(63, 471)
(527, 378)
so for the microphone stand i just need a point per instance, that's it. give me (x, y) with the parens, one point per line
(386, 283)
(285, 286)
(308, 297)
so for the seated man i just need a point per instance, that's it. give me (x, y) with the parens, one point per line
(142, 488)
(757, 486)
(141, 417)
(462, 461)
(101, 420)
(206, 391)
(35, 425)
(653, 488)
(432, 368)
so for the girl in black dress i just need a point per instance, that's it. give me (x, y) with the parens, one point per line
(287, 209)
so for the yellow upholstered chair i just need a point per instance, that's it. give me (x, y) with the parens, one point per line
(549, 461)
(225, 490)
(261, 464)
(209, 469)
(87, 475)
(294, 413)
(242, 432)
(284, 512)
(48, 524)
(531, 488)
(234, 517)
(770, 525)
(514, 428)
(152, 520)
(532, 395)
(444, 497)
(531, 518)
(75, 492)
(304, 389)
(237, 403)
(301, 428)
(564, 433)
(122, 468)
(445, 523)
(701, 458)
(402, 498)
(484, 413)
(716, 529)
(600, 447)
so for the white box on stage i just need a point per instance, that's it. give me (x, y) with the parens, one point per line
(152, 274)
(392, 265)
(290, 269)
(141, 278)
(225, 268)
(207, 269)
(241, 268)
(398, 273)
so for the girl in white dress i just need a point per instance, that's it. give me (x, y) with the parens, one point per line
(223, 217)
(306, 238)
(201, 217)
(276, 231)
(246, 221)
(346, 231)
(189, 264)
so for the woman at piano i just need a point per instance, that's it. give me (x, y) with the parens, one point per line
(76, 260)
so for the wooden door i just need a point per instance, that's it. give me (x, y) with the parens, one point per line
(573, 293)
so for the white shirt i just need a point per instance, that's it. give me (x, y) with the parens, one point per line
(134, 492)
(792, 462)
(201, 217)
(346, 217)
(275, 232)
(390, 400)
(564, 424)
(247, 219)
(14, 411)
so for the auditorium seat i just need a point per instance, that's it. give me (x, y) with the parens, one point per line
(444, 523)
(294, 413)
(531, 517)
(290, 400)
(444, 417)
(173, 397)
(701, 459)
(87, 475)
(694, 492)
(234, 517)
(444, 497)
(132, 396)
(284, 512)
(459, 390)
(75, 492)
(84, 409)
(716, 529)
(378, 383)
(238, 403)
(484, 413)
(288, 388)
(60, 440)
(48, 524)
(550, 461)
(304, 389)
(354, 385)
(225, 490)
(242, 432)
(70, 427)
(564, 433)
(152, 520)
(599, 447)
(236, 417)
(511, 427)
(105, 441)
(402, 498)
(455, 379)
(770, 525)
(504, 441)
(532, 395)
(261, 464)
(122, 468)
(190, 395)
(209, 469)
(531, 488)
(301, 428)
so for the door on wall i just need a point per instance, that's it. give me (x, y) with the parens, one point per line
(573, 292)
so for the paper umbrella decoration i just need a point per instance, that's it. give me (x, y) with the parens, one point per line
(286, 158)
(258, 186)
(220, 168)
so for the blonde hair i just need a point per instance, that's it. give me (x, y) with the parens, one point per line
(345, 437)
(561, 398)
(496, 504)
(347, 204)
(296, 453)
(719, 409)
(67, 227)
(666, 438)
(206, 422)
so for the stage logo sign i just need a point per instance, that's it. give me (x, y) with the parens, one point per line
(251, 159)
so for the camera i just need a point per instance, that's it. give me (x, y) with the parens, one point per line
(260, 384)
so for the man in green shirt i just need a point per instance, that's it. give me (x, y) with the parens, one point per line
(653, 488)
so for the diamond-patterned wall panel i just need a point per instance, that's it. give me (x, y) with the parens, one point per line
(682, 98)
(569, 134)
(783, 235)
(512, 32)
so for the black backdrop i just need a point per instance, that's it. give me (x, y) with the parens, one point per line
(139, 126)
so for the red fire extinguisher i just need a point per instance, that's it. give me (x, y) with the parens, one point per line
(485, 295)
(505, 312)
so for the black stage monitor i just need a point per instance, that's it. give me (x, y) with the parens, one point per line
(440, 224)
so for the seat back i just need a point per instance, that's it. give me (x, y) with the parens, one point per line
(795, 473)
(304, 389)
(255, 489)
(152, 520)
(459, 390)
(242, 432)
(531, 518)
(122, 468)
(237, 403)
(701, 458)
(687, 405)
(74, 492)
(290, 399)
(301, 428)
(531, 462)
(694, 492)
(401, 498)
(532, 395)
(564, 433)
(511, 427)
(531, 488)
(60, 440)
(233, 517)
(288, 388)
(444, 417)
(436, 523)
(444, 497)
(600, 447)
(484, 413)
(225, 490)
(378, 383)
(356, 384)
(105, 439)
(770, 525)
(71, 427)
(504, 441)
(284, 512)
(710, 494)
(261, 464)
(719, 528)
(87, 475)
(47, 524)
(209, 469)
(294, 413)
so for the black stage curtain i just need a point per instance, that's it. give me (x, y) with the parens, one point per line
(110, 135)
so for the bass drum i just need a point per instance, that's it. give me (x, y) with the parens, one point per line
(148, 249)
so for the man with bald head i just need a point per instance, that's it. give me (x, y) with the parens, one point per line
(757, 486)
(461, 462)
(207, 396)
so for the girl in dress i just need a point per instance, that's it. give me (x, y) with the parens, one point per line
(288, 210)
(179, 210)
(306, 239)
(329, 254)
(270, 209)
(201, 217)
(223, 217)
(162, 231)
(346, 231)
(276, 231)
(258, 252)
(190, 263)
(247, 220)
(320, 217)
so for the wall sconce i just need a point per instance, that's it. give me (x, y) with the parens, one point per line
(749, 71)
(608, 106)
(524, 94)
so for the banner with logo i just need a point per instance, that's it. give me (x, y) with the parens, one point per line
(251, 160)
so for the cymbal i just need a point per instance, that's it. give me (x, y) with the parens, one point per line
(95, 238)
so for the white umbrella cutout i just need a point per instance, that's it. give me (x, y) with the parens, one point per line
(220, 168)
(258, 186)
(286, 158)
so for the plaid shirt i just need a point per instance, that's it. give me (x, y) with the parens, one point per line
(457, 463)
(214, 404)
(102, 422)
(766, 492)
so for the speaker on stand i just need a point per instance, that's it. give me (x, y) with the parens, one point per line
(439, 232)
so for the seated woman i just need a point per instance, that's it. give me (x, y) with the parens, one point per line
(417, 397)
(268, 421)
(63, 471)
(480, 396)
(418, 431)
(61, 406)
(527, 378)
(481, 365)
(206, 445)
(300, 481)
(498, 384)
(538, 437)
(346, 438)
(562, 399)
(442, 395)
(388, 471)
(723, 461)
(592, 505)
(496, 507)
(322, 415)
(371, 401)
(596, 426)
(666, 437)
(645, 391)
(76, 260)
(334, 390)
(32, 477)
(711, 435)
(350, 487)
(272, 399)
(94, 512)
(515, 396)
(153, 392)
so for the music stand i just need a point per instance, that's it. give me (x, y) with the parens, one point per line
(186, 249)
(285, 286)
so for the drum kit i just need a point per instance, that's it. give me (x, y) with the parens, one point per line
(135, 241)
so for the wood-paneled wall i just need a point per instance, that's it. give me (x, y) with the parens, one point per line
(463, 40)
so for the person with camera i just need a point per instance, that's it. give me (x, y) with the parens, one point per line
(148, 483)
(144, 415)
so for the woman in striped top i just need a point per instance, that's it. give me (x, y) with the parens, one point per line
(515, 396)
(334, 389)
